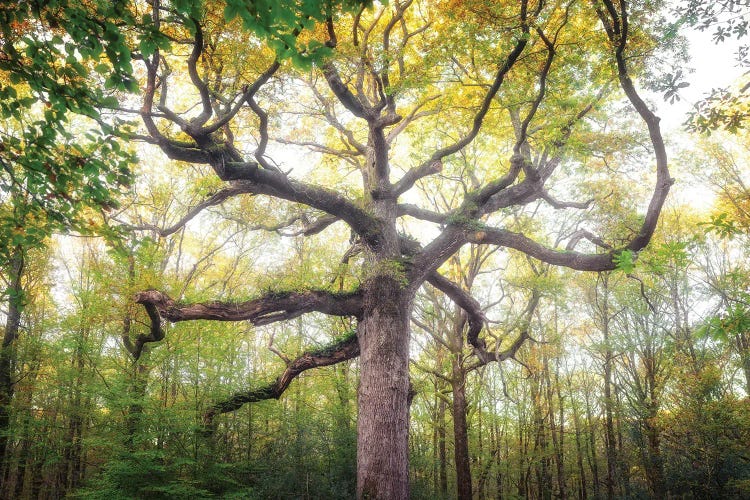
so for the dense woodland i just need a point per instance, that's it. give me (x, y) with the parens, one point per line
(337, 249)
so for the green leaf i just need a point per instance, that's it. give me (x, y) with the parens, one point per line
(625, 261)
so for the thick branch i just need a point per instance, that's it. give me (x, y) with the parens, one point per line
(616, 25)
(522, 243)
(270, 308)
(474, 313)
(559, 205)
(422, 213)
(588, 235)
(343, 350)
(477, 320)
(342, 92)
(272, 183)
(192, 62)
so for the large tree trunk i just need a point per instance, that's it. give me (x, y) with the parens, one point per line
(383, 396)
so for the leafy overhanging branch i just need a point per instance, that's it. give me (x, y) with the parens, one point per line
(342, 350)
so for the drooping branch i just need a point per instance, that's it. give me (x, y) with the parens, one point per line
(477, 319)
(155, 334)
(342, 350)
(267, 309)
(509, 352)
(475, 316)
(616, 26)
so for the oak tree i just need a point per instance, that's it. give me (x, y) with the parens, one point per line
(515, 77)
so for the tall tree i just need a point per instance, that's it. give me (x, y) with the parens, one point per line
(376, 76)
(50, 177)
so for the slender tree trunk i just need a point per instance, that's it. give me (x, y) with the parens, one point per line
(655, 466)
(442, 455)
(583, 493)
(556, 428)
(383, 395)
(609, 428)
(460, 432)
(541, 413)
(24, 458)
(592, 455)
(743, 347)
(73, 448)
(7, 350)
(522, 485)
(623, 470)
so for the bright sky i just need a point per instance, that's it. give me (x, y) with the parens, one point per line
(715, 66)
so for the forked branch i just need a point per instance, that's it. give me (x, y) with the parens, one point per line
(429, 166)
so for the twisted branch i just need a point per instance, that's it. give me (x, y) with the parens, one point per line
(267, 309)
(343, 350)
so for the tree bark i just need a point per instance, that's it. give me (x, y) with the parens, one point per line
(7, 351)
(442, 455)
(383, 394)
(609, 428)
(460, 430)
